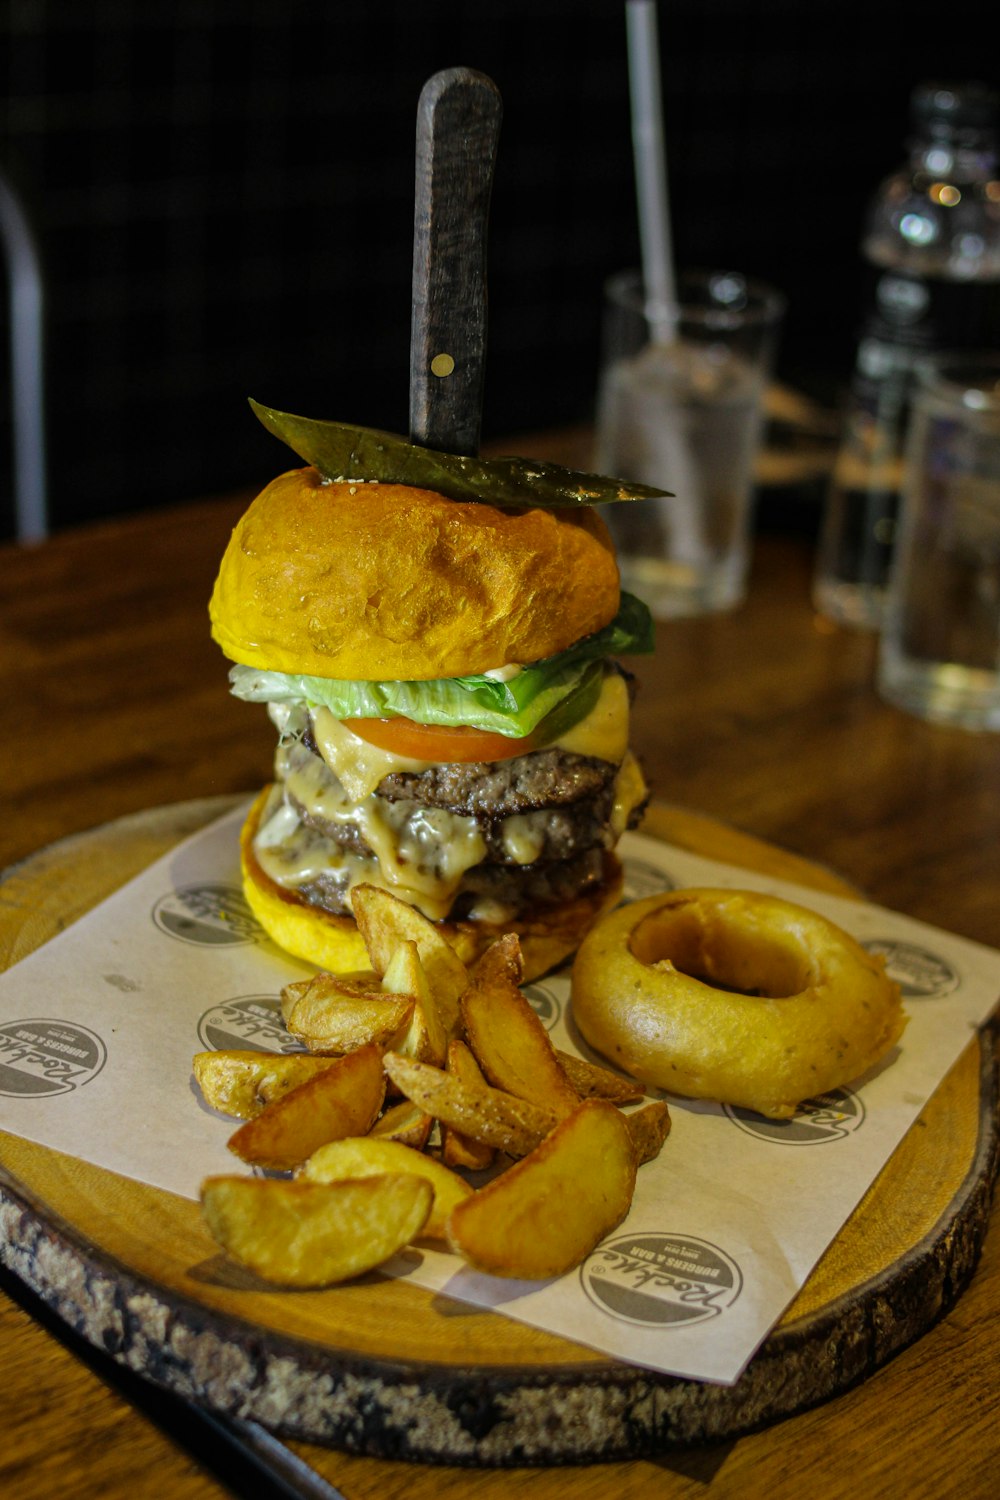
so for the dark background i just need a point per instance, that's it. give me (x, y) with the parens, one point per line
(223, 196)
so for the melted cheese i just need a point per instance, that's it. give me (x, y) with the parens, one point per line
(603, 733)
(523, 837)
(629, 791)
(420, 853)
(359, 766)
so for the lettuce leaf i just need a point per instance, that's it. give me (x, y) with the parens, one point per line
(514, 708)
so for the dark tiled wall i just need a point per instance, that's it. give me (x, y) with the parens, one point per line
(222, 193)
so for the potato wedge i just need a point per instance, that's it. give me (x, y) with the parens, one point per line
(404, 1123)
(384, 922)
(544, 1215)
(364, 1156)
(649, 1128)
(343, 1099)
(458, 1150)
(424, 1037)
(512, 1046)
(485, 1114)
(333, 1018)
(594, 1082)
(291, 995)
(502, 960)
(313, 1234)
(363, 983)
(241, 1083)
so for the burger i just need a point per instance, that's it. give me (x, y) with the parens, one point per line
(452, 721)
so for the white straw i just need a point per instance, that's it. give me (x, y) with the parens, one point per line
(650, 164)
(681, 517)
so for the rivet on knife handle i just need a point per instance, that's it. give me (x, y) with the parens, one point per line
(458, 125)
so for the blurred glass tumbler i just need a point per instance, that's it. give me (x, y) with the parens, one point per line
(940, 649)
(680, 407)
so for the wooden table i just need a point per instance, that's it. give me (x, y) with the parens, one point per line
(113, 699)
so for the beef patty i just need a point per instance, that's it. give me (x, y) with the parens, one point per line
(544, 818)
(518, 806)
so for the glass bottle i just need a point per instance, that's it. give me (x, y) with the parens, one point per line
(931, 246)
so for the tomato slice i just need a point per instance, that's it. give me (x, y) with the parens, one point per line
(437, 742)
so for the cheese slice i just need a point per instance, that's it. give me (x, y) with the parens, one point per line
(630, 791)
(603, 733)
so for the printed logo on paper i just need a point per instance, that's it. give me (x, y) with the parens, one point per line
(544, 1002)
(41, 1058)
(828, 1117)
(214, 916)
(661, 1280)
(249, 1023)
(644, 879)
(920, 974)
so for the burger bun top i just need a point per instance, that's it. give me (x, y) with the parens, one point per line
(376, 581)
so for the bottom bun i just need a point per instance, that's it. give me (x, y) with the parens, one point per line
(333, 942)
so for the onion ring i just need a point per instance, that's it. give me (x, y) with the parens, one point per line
(734, 996)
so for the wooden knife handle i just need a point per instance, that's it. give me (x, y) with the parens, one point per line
(458, 125)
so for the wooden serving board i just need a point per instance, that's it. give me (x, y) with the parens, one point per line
(387, 1369)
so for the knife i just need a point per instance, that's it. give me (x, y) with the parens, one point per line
(458, 126)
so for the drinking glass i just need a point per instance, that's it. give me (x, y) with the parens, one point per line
(940, 648)
(680, 407)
